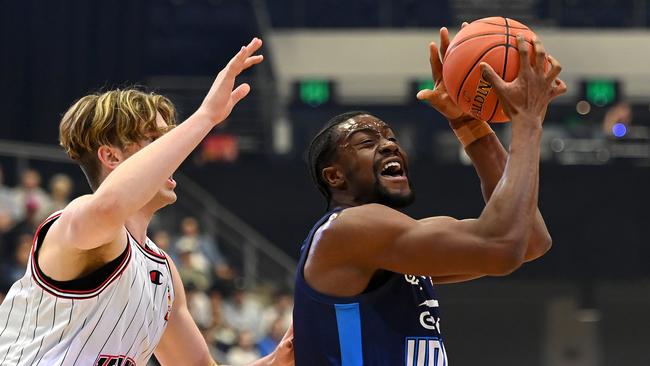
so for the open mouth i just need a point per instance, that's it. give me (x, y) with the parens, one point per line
(392, 169)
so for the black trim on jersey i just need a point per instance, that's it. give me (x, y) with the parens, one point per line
(148, 252)
(87, 286)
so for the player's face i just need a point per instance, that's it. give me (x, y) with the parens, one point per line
(375, 166)
(165, 194)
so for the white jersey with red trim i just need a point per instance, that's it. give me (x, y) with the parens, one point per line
(114, 316)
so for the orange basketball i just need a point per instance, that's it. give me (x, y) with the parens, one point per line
(492, 40)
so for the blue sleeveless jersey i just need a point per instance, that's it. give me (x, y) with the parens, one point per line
(395, 323)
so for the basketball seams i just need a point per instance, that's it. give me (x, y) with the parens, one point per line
(486, 41)
(505, 66)
(478, 36)
(469, 71)
(502, 25)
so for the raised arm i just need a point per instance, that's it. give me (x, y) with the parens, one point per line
(486, 152)
(372, 237)
(97, 219)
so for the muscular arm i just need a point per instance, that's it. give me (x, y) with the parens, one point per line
(489, 158)
(370, 237)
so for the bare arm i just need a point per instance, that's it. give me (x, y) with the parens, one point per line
(97, 219)
(182, 343)
(489, 158)
(487, 154)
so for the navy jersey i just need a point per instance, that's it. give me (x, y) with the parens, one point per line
(393, 323)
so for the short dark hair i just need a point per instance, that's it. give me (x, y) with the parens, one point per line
(322, 150)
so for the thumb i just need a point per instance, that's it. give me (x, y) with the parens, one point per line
(491, 76)
(424, 94)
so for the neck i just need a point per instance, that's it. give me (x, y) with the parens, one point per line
(138, 222)
(343, 201)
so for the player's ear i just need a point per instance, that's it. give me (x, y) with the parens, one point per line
(109, 156)
(333, 176)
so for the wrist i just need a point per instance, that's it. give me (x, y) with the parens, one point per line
(471, 131)
(462, 120)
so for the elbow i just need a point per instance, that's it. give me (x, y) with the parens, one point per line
(506, 257)
(544, 245)
(539, 247)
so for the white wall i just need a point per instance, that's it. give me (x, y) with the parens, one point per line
(376, 65)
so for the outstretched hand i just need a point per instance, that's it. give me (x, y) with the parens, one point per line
(529, 94)
(438, 97)
(221, 98)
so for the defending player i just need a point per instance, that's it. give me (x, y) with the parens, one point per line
(97, 291)
(364, 286)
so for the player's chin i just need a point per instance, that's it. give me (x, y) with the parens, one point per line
(167, 196)
(396, 195)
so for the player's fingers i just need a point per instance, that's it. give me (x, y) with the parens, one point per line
(465, 24)
(253, 46)
(540, 55)
(555, 69)
(559, 88)
(492, 77)
(239, 93)
(424, 94)
(444, 41)
(436, 64)
(524, 61)
(237, 63)
(253, 60)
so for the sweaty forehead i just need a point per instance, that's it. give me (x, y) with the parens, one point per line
(361, 122)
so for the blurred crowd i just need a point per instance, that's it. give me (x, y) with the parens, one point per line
(239, 324)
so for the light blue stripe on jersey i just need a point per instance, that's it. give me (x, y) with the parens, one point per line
(348, 320)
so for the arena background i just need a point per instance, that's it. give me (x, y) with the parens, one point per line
(583, 304)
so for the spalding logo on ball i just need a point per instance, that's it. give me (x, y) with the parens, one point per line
(491, 40)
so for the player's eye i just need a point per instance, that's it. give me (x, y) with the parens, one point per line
(366, 143)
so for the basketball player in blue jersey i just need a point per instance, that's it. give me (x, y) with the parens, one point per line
(364, 286)
(97, 291)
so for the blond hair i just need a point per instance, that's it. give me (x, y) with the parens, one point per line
(116, 118)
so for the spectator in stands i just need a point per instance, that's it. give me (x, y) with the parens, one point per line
(60, 189)
(245, 351)
(273, 337)
(21, 256)
(30, 197)
(205, 245)
(9, 213)
(200, 306)
(242, 312)
(26, 226)
(163, 241)
(220, 336)
(193, 267)
(281, 309)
